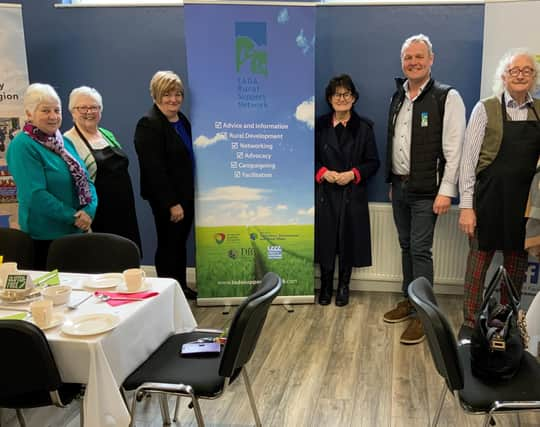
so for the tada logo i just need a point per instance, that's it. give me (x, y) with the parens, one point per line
(219, 238)
(251, 44)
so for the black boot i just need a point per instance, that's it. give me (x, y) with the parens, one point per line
(342, 295)
(189, 293)
(327, 285)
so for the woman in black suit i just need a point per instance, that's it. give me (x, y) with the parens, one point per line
(165, 151)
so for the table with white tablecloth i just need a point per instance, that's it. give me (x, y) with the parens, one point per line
(103, 361)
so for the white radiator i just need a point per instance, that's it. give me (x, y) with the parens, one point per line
(450, 249)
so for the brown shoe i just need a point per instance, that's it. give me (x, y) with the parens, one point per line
(402, 312)
(414, 333)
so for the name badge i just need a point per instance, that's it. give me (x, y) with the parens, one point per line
(424, 120)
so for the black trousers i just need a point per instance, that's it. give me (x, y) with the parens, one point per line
(41, 251)
(170, 258)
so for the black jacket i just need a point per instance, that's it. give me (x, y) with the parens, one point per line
(426, 157)
(166, 169)
(341, 212)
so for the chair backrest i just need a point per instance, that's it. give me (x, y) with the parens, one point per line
(93, 253)
(17, 246)
(246, 326)
(27, 362)
(440, 335)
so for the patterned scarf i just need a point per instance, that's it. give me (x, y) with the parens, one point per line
(55, 143)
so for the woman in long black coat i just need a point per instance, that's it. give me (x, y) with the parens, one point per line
(345, 158)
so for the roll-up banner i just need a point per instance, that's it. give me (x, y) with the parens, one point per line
(13, 83)
(251, 73)
(498, 38)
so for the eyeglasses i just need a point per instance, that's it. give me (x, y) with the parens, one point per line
(88, 108)
(525, 71)
(346, 96)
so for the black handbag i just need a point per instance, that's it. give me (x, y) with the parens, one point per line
(499, 337)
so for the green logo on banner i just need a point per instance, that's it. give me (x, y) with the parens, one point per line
(250, 40)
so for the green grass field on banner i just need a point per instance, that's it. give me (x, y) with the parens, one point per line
(230, 260)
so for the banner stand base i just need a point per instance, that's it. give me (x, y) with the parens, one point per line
(227, 302)
(288, 307)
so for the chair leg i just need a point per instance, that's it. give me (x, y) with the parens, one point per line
(20, 417)
(439, 406)
(489, 420)
(81, 413)
(251, 398)
(197, 410)
(176, 407)
(164, 409)
(140, 395)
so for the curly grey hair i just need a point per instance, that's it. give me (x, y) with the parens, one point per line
(504, 63)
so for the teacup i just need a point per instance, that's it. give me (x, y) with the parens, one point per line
(134, 278)
(5, 269)
(58, 294)
(42, 312)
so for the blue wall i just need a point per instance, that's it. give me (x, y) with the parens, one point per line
(116, 50)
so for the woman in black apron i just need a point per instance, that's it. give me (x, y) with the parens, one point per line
(107, 165)
(501, 187)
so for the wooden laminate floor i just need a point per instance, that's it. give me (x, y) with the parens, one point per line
(330, 366)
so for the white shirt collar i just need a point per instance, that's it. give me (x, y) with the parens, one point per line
(511, 103)
(406, 87)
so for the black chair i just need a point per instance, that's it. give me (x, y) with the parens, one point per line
(206, 377)
(93, 253)
(452, 361)
(30, 377)
(17, 246)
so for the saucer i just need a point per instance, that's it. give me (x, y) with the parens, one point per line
(104, 281)
(124, 290)
(29, 298)
(57, 320)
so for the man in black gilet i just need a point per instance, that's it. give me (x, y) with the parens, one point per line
(426, 125)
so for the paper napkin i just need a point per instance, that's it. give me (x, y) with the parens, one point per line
(52, 278)
(134, 297)
(18, 316)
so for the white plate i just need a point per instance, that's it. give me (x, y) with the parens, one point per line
(124, 290)
(104, 281)
(24, 300)
(57, 320)
(90, 324)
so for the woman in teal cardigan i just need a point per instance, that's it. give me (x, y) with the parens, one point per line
(55, 195)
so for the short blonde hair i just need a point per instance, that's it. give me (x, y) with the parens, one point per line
(84, 91)
(418, 38)
(38, 93)
(163, 82)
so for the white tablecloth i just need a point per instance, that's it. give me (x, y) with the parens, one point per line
(102, 362)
